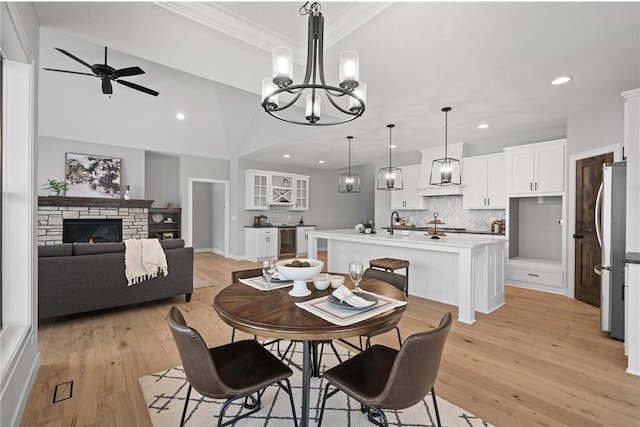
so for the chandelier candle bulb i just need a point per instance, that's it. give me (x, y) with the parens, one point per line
(282, 66)
(312, 112)
(349, 69)
(269, 87)
(360, 92)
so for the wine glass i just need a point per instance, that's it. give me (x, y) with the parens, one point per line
(268, 269)
(356, 270)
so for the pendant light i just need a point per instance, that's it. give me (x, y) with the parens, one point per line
(445, 171)
(347, 98)
(390, 178)
(349, 182)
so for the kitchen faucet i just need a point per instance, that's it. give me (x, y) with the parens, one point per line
(397, 218)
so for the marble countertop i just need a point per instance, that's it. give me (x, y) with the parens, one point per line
(632, 258)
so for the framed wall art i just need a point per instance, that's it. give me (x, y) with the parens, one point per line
(92, 176)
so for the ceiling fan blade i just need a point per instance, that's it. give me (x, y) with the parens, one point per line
(107, 89)
(72, 72)
(138, 87)
(73, 57)
(124, 72)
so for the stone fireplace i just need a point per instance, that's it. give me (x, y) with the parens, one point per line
(53, 211)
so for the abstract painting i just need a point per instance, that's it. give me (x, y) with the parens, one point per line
(92, 176)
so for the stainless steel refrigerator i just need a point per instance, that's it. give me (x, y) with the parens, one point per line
(611, 228)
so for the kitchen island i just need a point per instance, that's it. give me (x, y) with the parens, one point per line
(462, 270)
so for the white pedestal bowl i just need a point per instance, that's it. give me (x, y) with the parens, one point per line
(299, 275)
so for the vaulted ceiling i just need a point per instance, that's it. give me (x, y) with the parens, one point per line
(491, 62)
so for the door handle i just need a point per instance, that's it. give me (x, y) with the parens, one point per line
(532, 275)
(536, 186)
(578, 236)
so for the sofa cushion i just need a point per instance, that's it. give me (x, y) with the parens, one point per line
(63, 249)
(97, 248)
(172, 243)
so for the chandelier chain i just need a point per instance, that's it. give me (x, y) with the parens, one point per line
(313, 9)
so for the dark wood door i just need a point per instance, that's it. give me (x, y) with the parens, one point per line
(588, 254)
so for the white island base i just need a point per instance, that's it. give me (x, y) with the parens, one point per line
(465, 271)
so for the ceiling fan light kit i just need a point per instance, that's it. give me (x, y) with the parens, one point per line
(390, 178)
(445, 171)
(349, 182)
(348, 98)
(107, 74)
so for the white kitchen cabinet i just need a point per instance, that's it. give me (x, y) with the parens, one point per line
(282, 188)
(302, 240)
(260, 243)
(536, 169)
(408, 197)
(483, 182)
(428, 156)
(301, 197)
(256, 190)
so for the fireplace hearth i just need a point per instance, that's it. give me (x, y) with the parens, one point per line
(99, 230)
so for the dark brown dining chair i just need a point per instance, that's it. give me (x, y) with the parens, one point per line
(243, 274)
(397, 280)
(383, 378)
(232, 371)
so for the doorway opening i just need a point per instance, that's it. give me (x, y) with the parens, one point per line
(208, 215)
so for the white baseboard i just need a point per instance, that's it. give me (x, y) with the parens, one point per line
(218, 252)
(199, 250)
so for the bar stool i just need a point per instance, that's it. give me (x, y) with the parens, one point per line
(392, 264)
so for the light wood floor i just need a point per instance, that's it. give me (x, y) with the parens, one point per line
(538, 360)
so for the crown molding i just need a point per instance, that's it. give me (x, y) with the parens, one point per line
(14, 16)
(213, 16)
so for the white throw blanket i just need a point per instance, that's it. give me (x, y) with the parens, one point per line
(143, 259)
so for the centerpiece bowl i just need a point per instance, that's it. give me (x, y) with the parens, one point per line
(299, 275)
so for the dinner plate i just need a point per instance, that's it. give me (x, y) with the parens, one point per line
(157, 217)
(342, 304)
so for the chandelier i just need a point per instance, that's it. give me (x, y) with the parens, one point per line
(390, 178)
(349, 182)
(348, 98)
(445, 171)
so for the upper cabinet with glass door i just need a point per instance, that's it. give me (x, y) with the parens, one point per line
(256, 190)
(301, 200)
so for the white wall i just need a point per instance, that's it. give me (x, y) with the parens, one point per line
(19, 357)
(51, 162)
(202, 215)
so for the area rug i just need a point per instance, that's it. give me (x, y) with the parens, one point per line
(164, 393)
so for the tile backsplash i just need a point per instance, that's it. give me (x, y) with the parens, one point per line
(450, 212)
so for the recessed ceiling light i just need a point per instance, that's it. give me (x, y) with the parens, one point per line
(321, 162)
(483, 126)
(393, 146)
(286, 156)
(180, 116)
(561, 80)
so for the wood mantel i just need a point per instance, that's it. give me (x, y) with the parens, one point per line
(103, 202)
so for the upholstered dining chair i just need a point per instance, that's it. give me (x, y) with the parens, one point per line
(384, 378)
(232, 371)
(397, 280)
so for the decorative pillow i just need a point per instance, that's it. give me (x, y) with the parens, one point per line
(97, 248)
(172, 243)
(63, 249)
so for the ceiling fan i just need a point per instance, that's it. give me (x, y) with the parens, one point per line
(107, 74)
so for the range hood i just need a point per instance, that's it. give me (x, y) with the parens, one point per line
(428, 156)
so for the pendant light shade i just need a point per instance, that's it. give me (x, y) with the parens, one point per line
(445, 171)
(349, 182)
(390, 178)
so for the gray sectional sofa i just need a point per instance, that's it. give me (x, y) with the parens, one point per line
(81, 277)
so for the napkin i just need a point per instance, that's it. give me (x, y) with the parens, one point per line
(343, 294)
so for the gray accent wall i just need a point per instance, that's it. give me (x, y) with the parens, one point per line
(52, 157)
(202, 215)
(539, 231)
(328, 209)
(161, 179)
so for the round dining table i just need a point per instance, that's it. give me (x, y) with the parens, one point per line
(273, 314)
